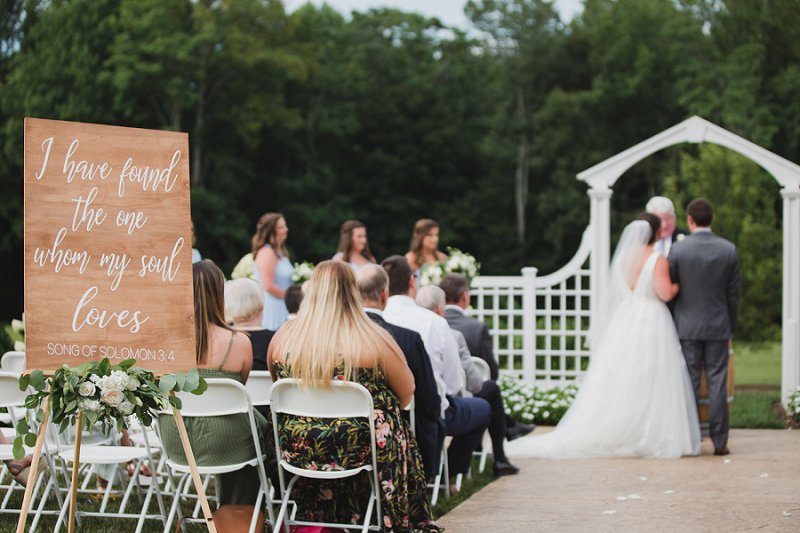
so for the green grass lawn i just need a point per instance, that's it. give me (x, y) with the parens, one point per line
(757, 363)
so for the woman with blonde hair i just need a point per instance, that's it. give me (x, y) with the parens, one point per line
(332, 338)
(272, 269)
(220, 352)
(353, 246)
(424, 246)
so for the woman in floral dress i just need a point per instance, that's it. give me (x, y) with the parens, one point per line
(333, 338)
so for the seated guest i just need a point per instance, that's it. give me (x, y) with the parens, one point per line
(432, 298)
(373, 284)
(244, 307)
(220, 352)
(353, 246)
(293, 299)
(479, 342)
(332, 337)
(465, 418)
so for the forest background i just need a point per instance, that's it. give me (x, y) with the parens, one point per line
(388, 116)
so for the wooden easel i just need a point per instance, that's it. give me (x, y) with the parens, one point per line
(26, 501)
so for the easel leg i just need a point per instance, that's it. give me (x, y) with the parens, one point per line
(198, 483)
(75, 466)
(26, 500)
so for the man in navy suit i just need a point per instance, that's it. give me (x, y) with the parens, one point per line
(373, 284)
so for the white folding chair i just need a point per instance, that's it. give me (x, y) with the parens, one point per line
(442, 479)
(224, 397)
(344, 399)
(13, 399)
(13, 362)
(259, 385)
(486, 373)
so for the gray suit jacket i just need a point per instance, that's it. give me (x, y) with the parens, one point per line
(707, 268)
(477, 335)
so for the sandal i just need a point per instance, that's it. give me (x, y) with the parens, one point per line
(19, 470)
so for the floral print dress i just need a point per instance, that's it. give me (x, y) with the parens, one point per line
(340, 443)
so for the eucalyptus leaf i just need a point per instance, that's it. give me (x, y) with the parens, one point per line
(24, 381)
(30, 440)
(166, 383)
(180, 380)
(17, 449)
(175, 402)
(201, 387)
(192, 381)
(22, 427)
(37, 377)
(127, 363)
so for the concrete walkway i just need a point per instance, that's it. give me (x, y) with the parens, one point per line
(757, 487)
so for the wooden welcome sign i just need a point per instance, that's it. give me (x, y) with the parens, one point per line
(108, 269)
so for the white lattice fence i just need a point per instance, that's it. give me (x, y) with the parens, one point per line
(539, 325)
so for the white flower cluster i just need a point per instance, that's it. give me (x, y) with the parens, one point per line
(431, 274)
(459, 262)
(302, 272)
(111, 390)
(794, 404)
(244, 268)
(18, 327)
(526, 403)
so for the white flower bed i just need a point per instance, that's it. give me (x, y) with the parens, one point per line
(530, 403)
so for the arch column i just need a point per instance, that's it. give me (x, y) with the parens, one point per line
(600, 223)
(790, 370)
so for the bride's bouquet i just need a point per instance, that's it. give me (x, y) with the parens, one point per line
(302, 272)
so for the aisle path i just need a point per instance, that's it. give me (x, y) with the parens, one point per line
(753, 490)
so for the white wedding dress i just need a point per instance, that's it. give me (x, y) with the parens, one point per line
(636, 398)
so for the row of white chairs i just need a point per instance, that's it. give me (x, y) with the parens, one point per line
(224, 397)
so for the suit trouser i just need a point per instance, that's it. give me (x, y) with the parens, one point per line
(466, 420)
(713, 356)
(497, 426)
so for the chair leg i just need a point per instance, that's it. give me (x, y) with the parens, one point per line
(175, 509)
(284, 505)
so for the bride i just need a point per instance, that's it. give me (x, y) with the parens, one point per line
(636, 398)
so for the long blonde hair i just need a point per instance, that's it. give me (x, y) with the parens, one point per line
(331, 329)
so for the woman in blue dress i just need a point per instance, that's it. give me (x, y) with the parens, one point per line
(353, 245)
(272, 270)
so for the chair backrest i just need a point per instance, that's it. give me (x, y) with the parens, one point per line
(483, 366)
(441, 390)
(10, 395)
(13, 362)
(224, 397)
(345, 399)
(259, 386)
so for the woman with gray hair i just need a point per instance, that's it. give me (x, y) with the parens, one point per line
(244, 309)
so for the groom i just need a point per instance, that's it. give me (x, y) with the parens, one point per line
(707, 268)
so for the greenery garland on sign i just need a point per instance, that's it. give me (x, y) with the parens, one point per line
(105, 393)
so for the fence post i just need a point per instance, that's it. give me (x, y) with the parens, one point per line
(529, 324)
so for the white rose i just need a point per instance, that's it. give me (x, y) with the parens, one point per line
(133, 383)
(125, 407)
(86, 388)
(112, 397)
(19, 346)
(18, 326)
(94, 378)
(90, 405)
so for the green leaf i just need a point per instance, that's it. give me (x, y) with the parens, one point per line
(37, 378)
(17, 449)
(127, 363)
(175, 402)
(30, 440)
(72, 405)
(22, 427)
(63, 426)
(31, 401)
(24, 381)
(201, 387)
(167, 383)
(192, 380)
(180, 380)
(104, 368)
(91, 416)
(39, 415)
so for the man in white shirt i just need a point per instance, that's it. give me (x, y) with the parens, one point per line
(663, 208)
(466, 418)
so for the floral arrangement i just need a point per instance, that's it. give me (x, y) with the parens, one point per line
(457, 262)
(18, 334)
(244, 268)
(302, 272)
(105, 393)
(794, 404)
(529, 403)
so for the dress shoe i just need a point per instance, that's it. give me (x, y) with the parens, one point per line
(722, 451)
(501, 468)
(519, 430)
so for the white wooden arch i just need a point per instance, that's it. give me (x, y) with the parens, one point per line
(601, 179)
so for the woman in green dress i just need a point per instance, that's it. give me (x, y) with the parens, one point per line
(221, 352)
(333, 338)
